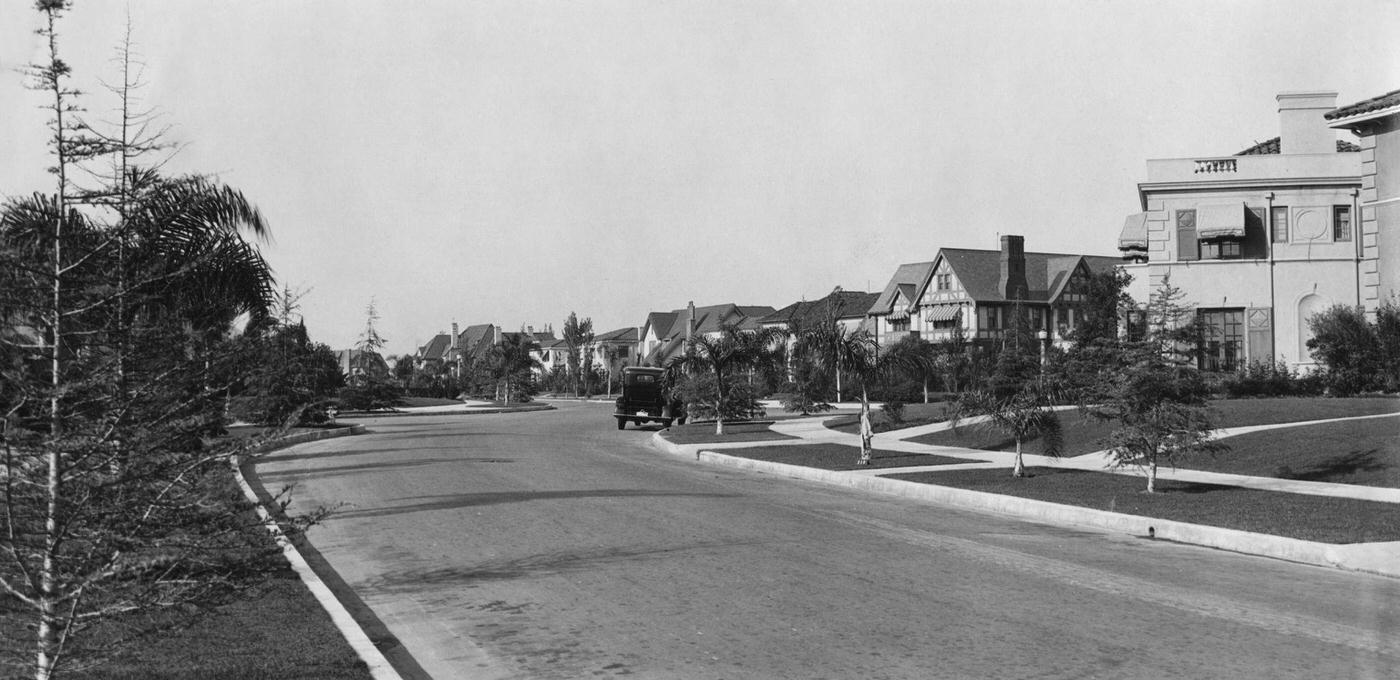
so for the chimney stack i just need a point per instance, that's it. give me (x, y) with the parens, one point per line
(453, 341)
(690, 321)
(1012, 283)
(496, 335)
(1302, 129)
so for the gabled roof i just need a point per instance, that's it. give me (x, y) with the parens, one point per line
(1272, 147)
(669, 327)
(436, 348)
(475, 340)
(979, 272)
(847, 304)
(914, 273)
(1388, 100)
(620, 335)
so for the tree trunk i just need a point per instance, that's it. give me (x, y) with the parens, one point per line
(1020, 469)
(866, 432)
(925, 390)
(1152, 477)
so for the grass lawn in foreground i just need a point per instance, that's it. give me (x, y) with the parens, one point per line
(1364, 452)
(1310, 518)
(914, 415)
(276, 630)
(704, 433)
(1083, 435)
(838, 457)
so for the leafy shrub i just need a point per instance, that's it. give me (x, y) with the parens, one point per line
(894, 411)
(1266, 379)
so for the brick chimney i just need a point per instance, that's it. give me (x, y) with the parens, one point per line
(1012, 282)
(454, 335)
(496, 337)
(1302, 129)
(690, 321)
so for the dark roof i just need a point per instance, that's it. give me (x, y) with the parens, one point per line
(436, 348)
(1272, 147)
(669, 327)
(1384, 101)
(979, 271)
(628, 334)
(475, 340)
(914, 273)
(851, 304)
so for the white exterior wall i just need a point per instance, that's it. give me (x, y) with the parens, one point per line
(1306, 274)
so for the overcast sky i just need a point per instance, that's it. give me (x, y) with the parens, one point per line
(509, 162)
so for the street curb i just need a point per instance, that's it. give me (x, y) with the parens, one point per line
(379, 666)
(1372, 558)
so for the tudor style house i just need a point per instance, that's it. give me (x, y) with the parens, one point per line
(1257, 242)
(664, 334)
(972, 293)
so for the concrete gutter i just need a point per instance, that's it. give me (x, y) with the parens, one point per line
(1374, 558)
(379, 666)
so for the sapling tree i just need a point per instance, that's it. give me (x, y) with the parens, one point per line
(1156, 398)
(720, 356)
(861, 358)
(113, 365)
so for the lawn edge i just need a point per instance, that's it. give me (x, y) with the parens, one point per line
(1372, 558)
(379, 666)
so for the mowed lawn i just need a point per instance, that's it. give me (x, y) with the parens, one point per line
(1353, 452)
(1310, 518)
(837, 456)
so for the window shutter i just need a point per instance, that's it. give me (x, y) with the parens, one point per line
(1187, 247)
(1260, 323)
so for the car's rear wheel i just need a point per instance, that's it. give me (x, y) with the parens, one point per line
(621, 423)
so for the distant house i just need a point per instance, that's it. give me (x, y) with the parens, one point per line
(664, 334)
(615, 348)
(432, 357)
(360, 364)
(848, 307)
(972, 293)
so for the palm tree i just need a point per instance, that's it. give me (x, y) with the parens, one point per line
(511, 357)
(731, 349)
(860, 357)
(1024, 414)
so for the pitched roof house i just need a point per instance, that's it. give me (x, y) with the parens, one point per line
(970, 291)
(664, 333)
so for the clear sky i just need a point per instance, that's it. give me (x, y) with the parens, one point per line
(511, 161)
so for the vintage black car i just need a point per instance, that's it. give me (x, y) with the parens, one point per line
(645, 399)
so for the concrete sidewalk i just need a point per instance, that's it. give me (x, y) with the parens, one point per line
(1377, 558)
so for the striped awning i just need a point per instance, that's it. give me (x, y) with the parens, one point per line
(943, 312)
(1220, 221)
(1134, 236)
(898, 315)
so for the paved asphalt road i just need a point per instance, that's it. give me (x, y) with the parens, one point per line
(550, 545)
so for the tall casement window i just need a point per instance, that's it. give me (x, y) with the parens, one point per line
(1278, 224)
(1222, 338)
(1341, 223)
(988, 318)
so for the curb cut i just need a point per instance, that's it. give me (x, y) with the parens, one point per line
(379, 666)
(1373, 558)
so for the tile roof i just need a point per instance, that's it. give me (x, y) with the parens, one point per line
(913, 273)
(475, 340)
(669, 327)
(979, 271)
(1271, 146)
(1385, 101)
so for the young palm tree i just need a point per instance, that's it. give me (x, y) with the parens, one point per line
(860, 357)
(732, 349)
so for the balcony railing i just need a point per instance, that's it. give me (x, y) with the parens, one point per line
(1214, 165)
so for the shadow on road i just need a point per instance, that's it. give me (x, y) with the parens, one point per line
(470, 500)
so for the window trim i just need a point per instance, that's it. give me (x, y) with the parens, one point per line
(1337, 234)
(1274, 224)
